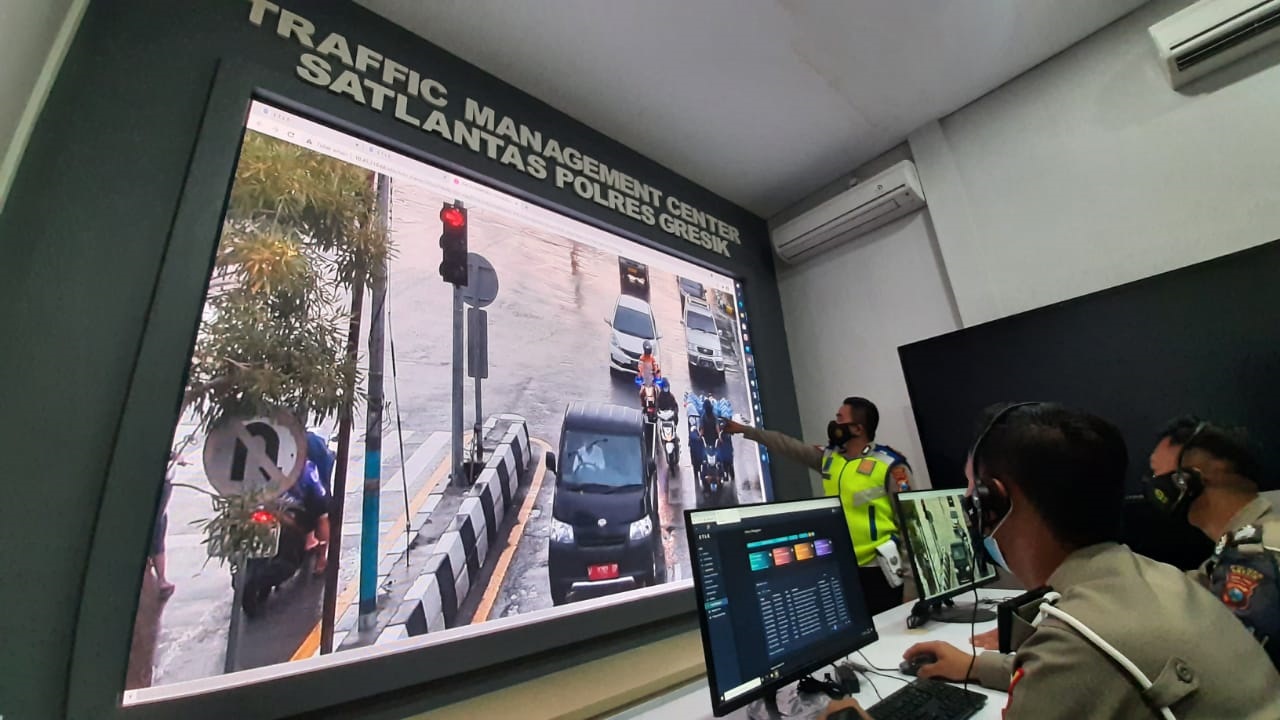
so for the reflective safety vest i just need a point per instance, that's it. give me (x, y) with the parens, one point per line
(862, 485)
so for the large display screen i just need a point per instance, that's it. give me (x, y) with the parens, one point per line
(604, 366)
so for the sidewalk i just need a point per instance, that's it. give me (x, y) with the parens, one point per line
(190, 631)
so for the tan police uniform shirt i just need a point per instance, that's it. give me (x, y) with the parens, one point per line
(1202, 662)
(1259, 513)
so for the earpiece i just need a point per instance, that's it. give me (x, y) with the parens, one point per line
(1181, 486)
(989, 505)
(1189, 479)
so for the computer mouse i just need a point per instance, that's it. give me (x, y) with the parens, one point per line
(913, 665)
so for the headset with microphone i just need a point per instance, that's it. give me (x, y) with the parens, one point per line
(988, 508)
(1180, 487)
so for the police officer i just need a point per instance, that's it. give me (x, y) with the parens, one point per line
(863, 475)
(1210, 474)
(1120, 636)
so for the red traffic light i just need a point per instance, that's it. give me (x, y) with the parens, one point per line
(262, 517)
(453, 218)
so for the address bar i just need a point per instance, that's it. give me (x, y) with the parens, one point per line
(282, 125)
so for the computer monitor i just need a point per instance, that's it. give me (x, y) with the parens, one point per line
(778, 595)
(944, 554)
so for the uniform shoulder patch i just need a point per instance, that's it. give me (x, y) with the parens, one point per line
(1237, 591)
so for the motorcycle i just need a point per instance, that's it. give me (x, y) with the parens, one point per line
(649, 409)
(716, 474)
(648, 401)
(715, 480)
(670, 443)
(264, 574)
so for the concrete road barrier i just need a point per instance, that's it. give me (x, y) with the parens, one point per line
(432, 602)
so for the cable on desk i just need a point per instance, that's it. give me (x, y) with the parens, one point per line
(873, 665)
(899, 678)
(873, 685)
(973, 626)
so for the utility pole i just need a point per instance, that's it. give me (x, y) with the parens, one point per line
(371, 506)
(459, 478)
(329, 605)
(453, 269)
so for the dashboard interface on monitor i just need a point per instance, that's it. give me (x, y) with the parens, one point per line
(941, 543)
(778, 594)
(293, 323)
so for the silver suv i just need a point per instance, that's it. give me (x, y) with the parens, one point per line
(702, 339)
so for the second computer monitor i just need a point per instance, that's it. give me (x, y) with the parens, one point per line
(944, 554)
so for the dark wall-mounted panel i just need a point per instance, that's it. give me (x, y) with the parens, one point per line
(1203, 339)
(88, 266)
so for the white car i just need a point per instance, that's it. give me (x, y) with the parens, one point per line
(702, 339)
(632, 323)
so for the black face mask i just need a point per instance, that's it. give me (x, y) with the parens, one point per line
(1172, 493)
(838, 434)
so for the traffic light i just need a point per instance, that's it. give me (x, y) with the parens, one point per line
(453, 243)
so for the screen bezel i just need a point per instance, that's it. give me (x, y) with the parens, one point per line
(719, 709)
(150, 406)
(915, 566)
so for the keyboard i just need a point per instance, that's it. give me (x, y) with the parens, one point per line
(928, 700)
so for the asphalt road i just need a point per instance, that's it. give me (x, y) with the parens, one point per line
(548, 346)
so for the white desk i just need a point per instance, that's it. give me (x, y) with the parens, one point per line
(693, 701)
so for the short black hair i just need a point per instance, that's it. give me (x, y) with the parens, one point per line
(867, 411)
(1229, 444)
(1070, 464)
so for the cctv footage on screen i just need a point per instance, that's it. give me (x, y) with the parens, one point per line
(595, 375)
(941, 544)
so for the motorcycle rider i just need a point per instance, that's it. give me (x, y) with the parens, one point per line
(705, 432)
(647, 368)
(319, 453)
(667, 399)
(309, 493)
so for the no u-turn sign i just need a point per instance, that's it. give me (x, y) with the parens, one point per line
(267, 453)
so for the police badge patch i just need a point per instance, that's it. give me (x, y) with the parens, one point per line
(1239, 587)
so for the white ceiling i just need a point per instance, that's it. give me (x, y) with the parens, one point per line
(761, 101)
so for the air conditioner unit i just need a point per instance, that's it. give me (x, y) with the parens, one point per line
(1212, 34)
(862, 208)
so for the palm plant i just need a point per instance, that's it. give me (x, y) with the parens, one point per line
(302, 232)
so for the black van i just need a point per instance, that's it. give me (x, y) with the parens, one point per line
(605, 534)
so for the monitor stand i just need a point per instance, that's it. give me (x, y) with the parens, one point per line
(948, 611)
(766, 708)
(786, 702)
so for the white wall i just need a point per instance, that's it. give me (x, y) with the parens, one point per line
(846, 313)
(1084, 173)
(1089, 171)
(34, 36)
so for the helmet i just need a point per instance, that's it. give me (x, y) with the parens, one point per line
(648, 347)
